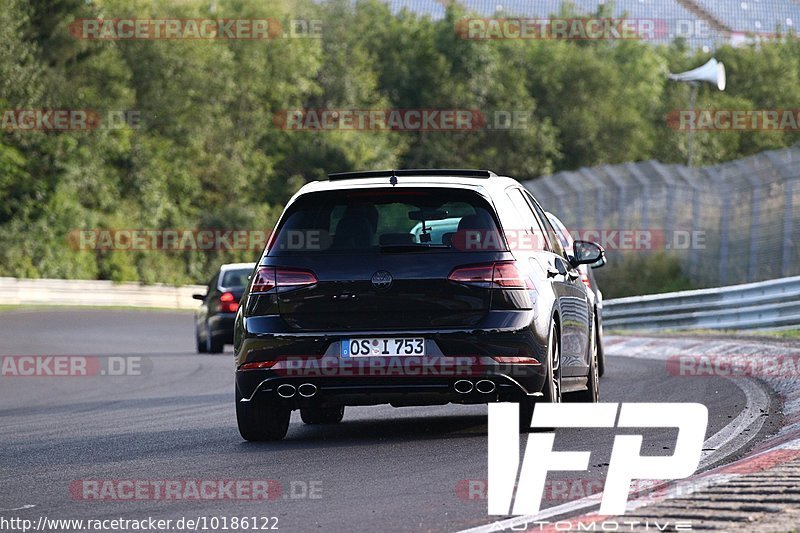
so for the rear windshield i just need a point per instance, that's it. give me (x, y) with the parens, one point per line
(232, 279)
(388, 220)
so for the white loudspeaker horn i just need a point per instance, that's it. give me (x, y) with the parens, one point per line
(711, 72)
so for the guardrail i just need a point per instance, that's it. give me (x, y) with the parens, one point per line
(772, 304)
(100, 293)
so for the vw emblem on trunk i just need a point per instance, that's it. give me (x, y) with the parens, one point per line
(381, 279)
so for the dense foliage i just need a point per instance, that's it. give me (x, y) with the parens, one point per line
(206, 152)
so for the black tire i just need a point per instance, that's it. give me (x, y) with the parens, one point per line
(322, 415)
(213, 344)
(201, 343)
(261, 419)
(551, 392)
(592, 392)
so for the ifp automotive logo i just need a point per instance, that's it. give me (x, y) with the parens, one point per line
(626, 464)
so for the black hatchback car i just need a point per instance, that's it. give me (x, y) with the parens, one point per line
(213, 320)
(411, 287)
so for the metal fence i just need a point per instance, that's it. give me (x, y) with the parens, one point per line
(708, 23)
(736, 222)
(773, 304)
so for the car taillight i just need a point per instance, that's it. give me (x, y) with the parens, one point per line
(508, 276)
(228, 303)
(263, 280)
(267, 278)
(258, 365)
(585, 279)
(504, 275)
(473, 274)
(290, 277)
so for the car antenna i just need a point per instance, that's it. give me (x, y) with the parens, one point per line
(393, 179)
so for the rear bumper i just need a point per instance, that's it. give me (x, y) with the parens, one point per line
(399, 391)
(451, 356)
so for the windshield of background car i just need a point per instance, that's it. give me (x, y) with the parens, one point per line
(232, 279)
(388, 220)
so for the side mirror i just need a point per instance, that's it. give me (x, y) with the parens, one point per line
(587, 253)
(200, 297)
(600, 262)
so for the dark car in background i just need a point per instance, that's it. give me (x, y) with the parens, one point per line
(402, 287)
(213, 320)
(588, 279)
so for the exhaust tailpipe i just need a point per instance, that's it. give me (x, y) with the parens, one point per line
(307, 390)
(462, 386)
(485, 386)
(286, 390)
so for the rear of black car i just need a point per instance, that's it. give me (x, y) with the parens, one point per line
(370, 295)
(214, 319)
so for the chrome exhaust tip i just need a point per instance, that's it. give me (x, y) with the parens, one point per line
(485, 386)
(462, 386)
(307, 390)
(286, 390)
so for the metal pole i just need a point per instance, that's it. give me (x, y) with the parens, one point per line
(788, 209)
(692, 95)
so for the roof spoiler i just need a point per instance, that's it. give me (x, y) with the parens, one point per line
(394, 174)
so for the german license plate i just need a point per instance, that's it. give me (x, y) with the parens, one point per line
(383, 346)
